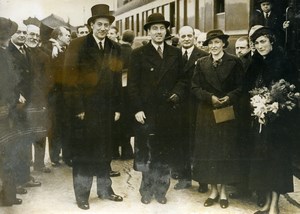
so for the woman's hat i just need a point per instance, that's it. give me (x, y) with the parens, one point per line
(216, 34)
(156, 18)
(7, 28)
(260, 31)
(100, 11)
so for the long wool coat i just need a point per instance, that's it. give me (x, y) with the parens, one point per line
(151, 81)
(92, 81)
(271, 167)
(215, 151)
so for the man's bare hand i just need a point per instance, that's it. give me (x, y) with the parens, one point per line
(117, 116)
(140, 117)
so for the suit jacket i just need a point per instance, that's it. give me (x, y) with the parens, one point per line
(151, 81)
(92, 84)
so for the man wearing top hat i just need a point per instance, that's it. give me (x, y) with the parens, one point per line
(155, 87)
(92, 83)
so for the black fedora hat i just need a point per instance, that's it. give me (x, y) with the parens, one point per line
(216, 33)
(7, 28)
(100, 11)
(156, 18)
(168, 35)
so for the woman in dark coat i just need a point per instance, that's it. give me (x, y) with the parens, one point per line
(271, 170)
(216, 83)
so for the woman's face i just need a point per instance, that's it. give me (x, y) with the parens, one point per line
(263, 45)
(215, 46)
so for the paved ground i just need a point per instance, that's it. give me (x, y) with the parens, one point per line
(56, 196)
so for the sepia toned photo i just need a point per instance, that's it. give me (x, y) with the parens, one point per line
(150, 106)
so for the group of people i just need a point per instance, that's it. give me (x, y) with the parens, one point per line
(188, 109)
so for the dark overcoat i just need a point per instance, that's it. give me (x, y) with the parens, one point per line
(92, 81)
(215, 151)
(271, 167)
(190, 102)
(151, 81)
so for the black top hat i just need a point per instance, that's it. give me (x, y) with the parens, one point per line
(7, 28)
(215, 34)
(100, 11)
(261, 32)
(156, 18)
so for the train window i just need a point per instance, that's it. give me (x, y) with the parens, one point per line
(220, 6)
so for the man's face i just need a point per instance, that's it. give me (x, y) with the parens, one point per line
(19, 38)
(157, 32)
(100, 27)
(241, 48)
(186, 37)
(65, 37)
(33, 36)
(112, 34)
(82, 31)
(266, 7)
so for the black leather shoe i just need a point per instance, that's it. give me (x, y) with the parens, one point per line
(83, 205)
(112, 197)
(33, 183)
(56, 164)
(21, 190)
(224, 203)
(17, 201)
(146, 199)
(114, 173)
(175, 175)
(261, 212)
(210, 201)
(161, 200)
(182, 184)
(203, 188)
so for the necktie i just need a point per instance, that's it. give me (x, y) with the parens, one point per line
(160, 51)
(185, 57)
(22, 50)
(267, 19)
(101, 46)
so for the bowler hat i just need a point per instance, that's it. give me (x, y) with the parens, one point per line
(156, 18)
(216, 33)
(100, 11)
(7, 28)
(261, 32)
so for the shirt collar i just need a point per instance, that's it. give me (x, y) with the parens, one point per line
(156, 46)
(189, 50)
(98, 40)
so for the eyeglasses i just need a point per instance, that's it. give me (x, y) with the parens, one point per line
(20, 31)
(83, 32)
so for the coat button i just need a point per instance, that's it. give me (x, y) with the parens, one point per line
(151, 69)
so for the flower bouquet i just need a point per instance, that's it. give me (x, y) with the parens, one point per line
(267, 103)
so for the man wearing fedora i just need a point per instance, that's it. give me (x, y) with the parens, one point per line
(92, 82)
(155, 86)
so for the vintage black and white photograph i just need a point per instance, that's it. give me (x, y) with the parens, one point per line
(150, 106)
